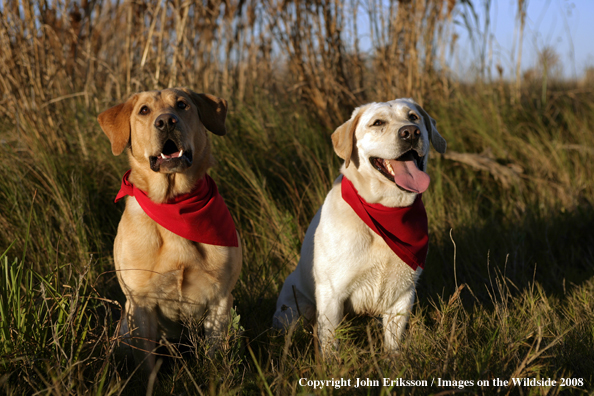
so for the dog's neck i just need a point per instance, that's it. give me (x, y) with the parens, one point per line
(161, 187)
(376, 191)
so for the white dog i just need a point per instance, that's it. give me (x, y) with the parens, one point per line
(365, 248)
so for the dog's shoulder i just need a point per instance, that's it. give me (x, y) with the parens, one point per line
(337, 213)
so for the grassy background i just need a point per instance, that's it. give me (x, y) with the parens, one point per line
(523, 253)
(508, 288)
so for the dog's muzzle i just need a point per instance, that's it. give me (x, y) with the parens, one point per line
(173, 157)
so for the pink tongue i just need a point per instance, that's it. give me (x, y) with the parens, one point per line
(408, 176)
(167, 156)
(174, 155)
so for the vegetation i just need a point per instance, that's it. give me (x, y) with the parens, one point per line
(508, 290)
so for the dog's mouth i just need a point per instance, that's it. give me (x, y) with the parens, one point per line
(405, 171)
(173, 158)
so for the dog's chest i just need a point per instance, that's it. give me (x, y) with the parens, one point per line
(159, 268)
(380, 280)
(358, 263)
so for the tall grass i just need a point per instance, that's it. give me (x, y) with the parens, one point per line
(507, 291)
(523, 253)
(99, 51)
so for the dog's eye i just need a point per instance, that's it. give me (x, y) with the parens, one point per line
(182, 105)
(413, 117)
(144, 110)
(378, 123)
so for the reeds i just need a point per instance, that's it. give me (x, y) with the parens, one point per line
(102, 51)
(292, 71)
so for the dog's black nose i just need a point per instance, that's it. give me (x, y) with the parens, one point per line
(409, 133)
(166, 122)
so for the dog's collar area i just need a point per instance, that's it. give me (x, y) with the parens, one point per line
(404, 229)
(200, 215)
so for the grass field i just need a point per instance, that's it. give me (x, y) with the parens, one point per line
(508, 288)
(507, 291)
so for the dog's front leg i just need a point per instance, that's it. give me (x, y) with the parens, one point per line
(395, 320)
(216, 322)
(143, 327)
(330, 313)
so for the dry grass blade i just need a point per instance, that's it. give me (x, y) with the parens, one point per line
(506, 175)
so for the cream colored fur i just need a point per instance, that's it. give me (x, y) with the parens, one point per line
(344, 265)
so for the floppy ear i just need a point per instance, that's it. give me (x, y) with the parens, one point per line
(212, 111)
(438, 142)
(115, 122)
(343, 138)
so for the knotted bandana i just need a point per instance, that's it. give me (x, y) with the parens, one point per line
(405, 230)
(200, 215)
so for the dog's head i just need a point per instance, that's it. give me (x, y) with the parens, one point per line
(387, 144)
(164, 129)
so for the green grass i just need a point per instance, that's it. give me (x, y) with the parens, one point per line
(524, 255)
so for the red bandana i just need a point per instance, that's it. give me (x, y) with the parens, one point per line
(405, 230)
(200, 216)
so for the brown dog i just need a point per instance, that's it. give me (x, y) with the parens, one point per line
(167, 278)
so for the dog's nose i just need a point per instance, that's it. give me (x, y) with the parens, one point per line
(166, 122)
(409, 133)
